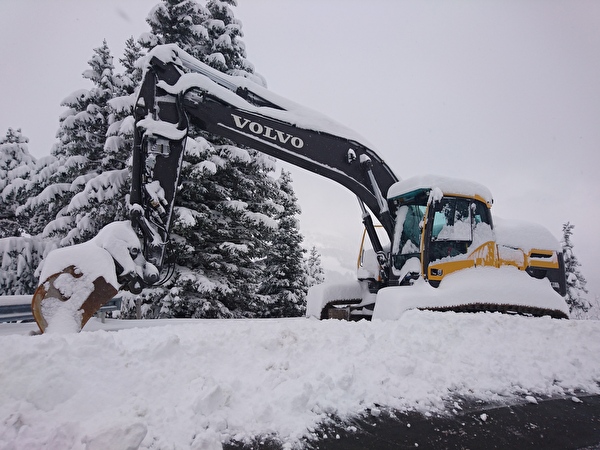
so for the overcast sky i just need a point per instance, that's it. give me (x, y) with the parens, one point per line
(503, 93)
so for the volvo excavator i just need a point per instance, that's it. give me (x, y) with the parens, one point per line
(435, 245)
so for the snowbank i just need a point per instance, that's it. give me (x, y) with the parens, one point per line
(195, 384)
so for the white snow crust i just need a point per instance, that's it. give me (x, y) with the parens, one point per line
(87, 258)
(524, 235)
(198, 383)
(504, 285)
(320, 294)
(446, 184)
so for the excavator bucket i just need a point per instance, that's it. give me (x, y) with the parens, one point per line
(69, 309)
(76, 281)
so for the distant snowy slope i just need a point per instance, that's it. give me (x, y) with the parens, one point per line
(195, 384)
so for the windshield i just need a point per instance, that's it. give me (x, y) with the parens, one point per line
(457, 224)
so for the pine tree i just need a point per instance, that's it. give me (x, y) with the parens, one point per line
(16, 163)
(576, 282)
(38, 194)
(227, 204)
(178, 22)
(224, 220)
(132, 76)
(78, 156)
(314, 271)
(227, 52)
(284, 280)
(20, 258)
(83, 127)
(118, 146)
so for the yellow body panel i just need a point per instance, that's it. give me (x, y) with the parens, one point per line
(484, 255)
(544, 259)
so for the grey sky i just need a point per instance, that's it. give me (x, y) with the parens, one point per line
(503, 93)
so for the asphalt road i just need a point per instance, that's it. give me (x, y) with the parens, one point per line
(561, 423)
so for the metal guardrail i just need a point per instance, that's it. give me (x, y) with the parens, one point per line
(17, 308)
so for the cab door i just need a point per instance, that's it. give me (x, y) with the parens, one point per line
(458, 236)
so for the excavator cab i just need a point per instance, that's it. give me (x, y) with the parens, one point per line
(439, 232)
(459, 235)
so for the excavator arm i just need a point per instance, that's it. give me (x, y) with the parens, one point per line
(179, 91)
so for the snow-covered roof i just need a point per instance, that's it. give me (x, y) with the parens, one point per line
(447, 185)
(524, 235)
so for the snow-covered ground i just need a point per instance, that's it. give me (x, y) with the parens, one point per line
(198, 383)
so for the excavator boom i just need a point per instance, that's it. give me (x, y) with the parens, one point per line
(171, 100)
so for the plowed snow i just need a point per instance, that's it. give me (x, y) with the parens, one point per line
(195, 384)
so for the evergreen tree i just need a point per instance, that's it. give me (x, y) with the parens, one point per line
(178, 22)
(227, 204)
(227, 52)
(225, 218)
(84, 125)
(132, 76)
(16, 163)
(38, 194)
(314, 271)
(576, 282)
(79, 154)
(20, 258)
(284, 280)
(119, 136)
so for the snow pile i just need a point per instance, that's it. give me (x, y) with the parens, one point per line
(499, 286)
(504, 285)
(527, 236)
(195, 384)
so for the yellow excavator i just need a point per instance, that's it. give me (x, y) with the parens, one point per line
(438, 249)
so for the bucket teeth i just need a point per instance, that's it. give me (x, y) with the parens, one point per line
(67, 300)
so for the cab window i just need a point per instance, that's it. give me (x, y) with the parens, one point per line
(407, 239)
(455, 221)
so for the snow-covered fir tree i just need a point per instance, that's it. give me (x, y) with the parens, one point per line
(228, 204)
(313, 269)
(79, 153)
(118, 146)
(16, 164)
(230, 207)
(68, 196)
(20, 253)
(221, 231)
(225, 33)
(284, 277)
(132, 75)
(181, 22)
(578, 305)
(96, 194)
(20, 258)
(84, 125)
